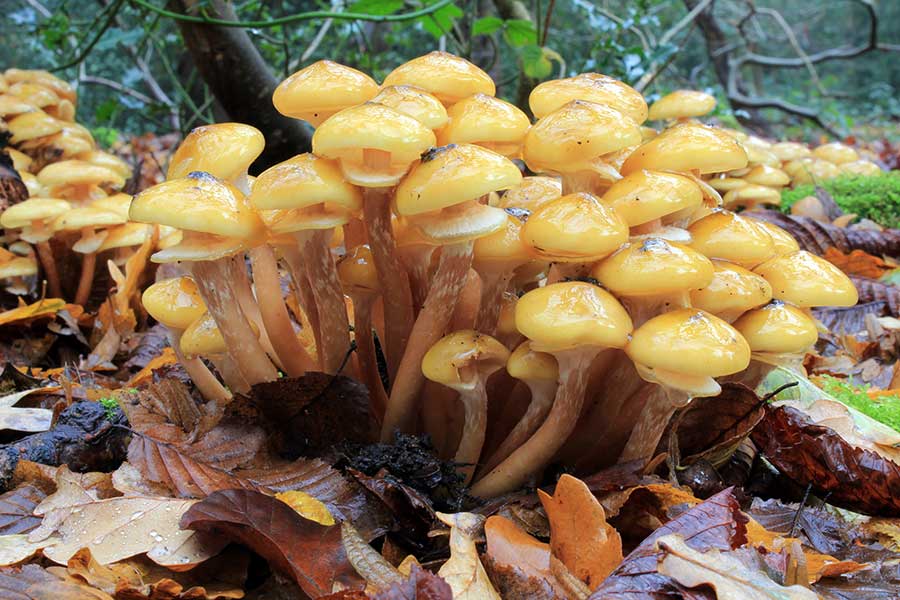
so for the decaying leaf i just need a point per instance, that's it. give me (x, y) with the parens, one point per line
(817, 237)
(728, 575)
(517, 562)
(31, 582)
(420, 585)
(580, 537)
(857, 262)
(463, 571)
(17, 507)
(368, 562)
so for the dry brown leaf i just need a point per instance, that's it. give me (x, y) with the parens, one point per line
(31, 582)
(580, 537)
(17, 508)
(886, 531)
(463, 570)
(666, 494)
(858, 263)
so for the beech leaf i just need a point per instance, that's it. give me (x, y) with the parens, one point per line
(463, 571)
(420, 585)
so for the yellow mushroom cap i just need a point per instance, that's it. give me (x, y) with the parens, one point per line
(224, 150)
(528, 364)
(11, 106)
(568, 139)
(682, 104)
(727, 236)
(726, 184)
(126, 236)
(732, 291)
(593, 87)
(752, 195)
(34, 94)
(647, 195)
(804, 279)
(20, 161)
(33, 209)
(689, 341)
(457, 360)
(198, 203)
(782, 241)
(414, 102)
(66, 143)
(566, 315)
(32, 125)
(105, 159)
(768, 176)
(532, 193)
(357, 271)
(778, 328)
(486, 121)
(321, 89)
(45, 78)
(688, 147)
(349, 134)
(835, 153)
(86, 216)
(651, 267)
(447, 77)
(35, 189)
(861, 167)
(175, 303)
(305, 181)
(787, 151)
(575, 228)
(78, 172)
(503, 248)
(451, 175)
(117, 203)
(203, 338)
(19, 266)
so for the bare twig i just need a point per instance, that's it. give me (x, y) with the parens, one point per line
(115, 85)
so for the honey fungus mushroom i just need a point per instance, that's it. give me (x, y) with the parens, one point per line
(447, 77)
(682, 105)
(34, 218)
(321, 89)
(592, 87)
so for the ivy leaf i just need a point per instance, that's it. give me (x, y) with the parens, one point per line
(520, 32)
(440, 22)
(535, 63)
(487, 25)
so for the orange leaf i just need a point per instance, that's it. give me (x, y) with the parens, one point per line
(42, 308)
(145, 375)
(580, 537)
(857, 263)
(508, 544)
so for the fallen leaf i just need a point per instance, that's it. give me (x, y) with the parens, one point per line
(16, 548)
(580, 537)
(46, 307)
(857, 262)
(368, 562)
(463, 571)
(31, 582)
(17, 507)
(310, 553)
(518, 564)
(165, 358)
(817, 237)
(725, 573)
(307, 506)
(420, 585)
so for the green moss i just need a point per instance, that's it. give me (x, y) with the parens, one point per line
(876, 198)
(110, 404)
(884, 409)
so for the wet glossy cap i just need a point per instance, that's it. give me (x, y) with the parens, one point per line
(727, 236)
(768, 176)
(567, 315)
(503, 249)
(682, 104)
(532, 193)
(787, 151)
(732, 291)
(782, 241)
(651, 267)
(305, 181)
(752, 195)
(647, 195)
(806, 280)
(224, 150)
(105, 159)
(321, 89)
(126, 236)
(357, 271)
(175, 303)
(21, 162)
(447, 77)
(32, 125)
(778, 328)
(414, 102)
(811, 170)
(687, 147)
(203, 338)
(528, 364)
(19, 266)
(117, 203)
(78, 172)
(10, 106)
(836, 153)
(34, 94)
(726, 184)
(45, 78)
(25, 213)
(575, 228)
(458, 360)
(593, 87)
(486, 121)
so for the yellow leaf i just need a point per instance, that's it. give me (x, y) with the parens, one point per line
(145, 375)
(307, 507)
(463, 571)
(41, 308)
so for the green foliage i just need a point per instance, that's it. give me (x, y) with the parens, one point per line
(876, 198)
(884, 409)
(110, 405)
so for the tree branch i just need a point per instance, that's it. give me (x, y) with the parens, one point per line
(115, 85)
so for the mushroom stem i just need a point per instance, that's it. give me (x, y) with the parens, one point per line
(210, 387)
(493, 286)
(658, 410)
(334, 326)
(536, 453)
(230, 373)
(579, 181)
(274, 314)
(469, 450)
(365, 351)
(88, 266)
(430, 325)
(418, 268)
(644, 308)
(354, 233)
(45, 254)
(303, 292)
(215, 280)
(560, 271)
(396, 294)
(466, 311)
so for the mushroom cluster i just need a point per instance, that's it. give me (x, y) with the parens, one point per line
(520, 319)
(74, 200)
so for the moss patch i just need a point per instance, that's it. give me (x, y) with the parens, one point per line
(876, 198)
(884, 409)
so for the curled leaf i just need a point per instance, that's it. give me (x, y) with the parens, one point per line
(368, 562)
(463, 571)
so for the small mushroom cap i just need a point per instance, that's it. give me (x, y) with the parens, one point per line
(175, 303)
(459, 359)
(105, 159)
(783, 242)
(126, 236)
(778, 328)
(19, 266)
(357, 271)
(861, 167)
(32, 125)
(86, 216)
(45, 78)
(532, 193)
(787, 151)
(647, 195)
(321, 89)
(33, 209)
(732, 290)
(570, 138)
(689, 341)
(727, 236)
(224, 150)
(304, 181)
(503, 248)
(566, 315)
(66, 143)
(203, 338)
(811, 170)
(450, 175)
(528, 364)
(768, 176)
(682, 104)
(447, 77)
(78, 172)
(34, 94)
(486, 121)
(414, 102)
(117, 203)
(349, 134)
(575, 228)
(752, 194)
(593, 87)
(804, 279)
(688, 147)
(836, 153)
(199, 203)
(11, 106)
(651, 267)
